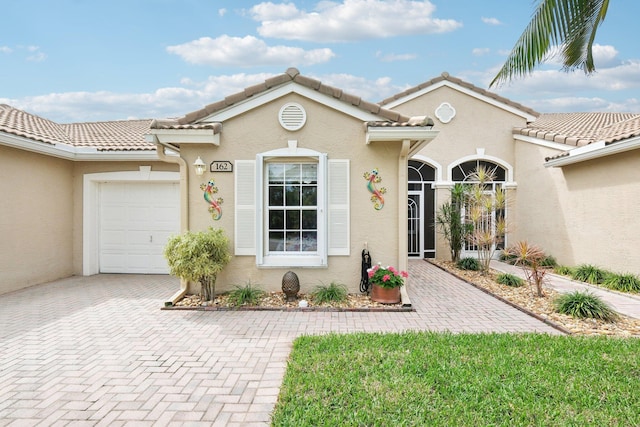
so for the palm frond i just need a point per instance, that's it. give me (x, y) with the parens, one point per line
(570, 24)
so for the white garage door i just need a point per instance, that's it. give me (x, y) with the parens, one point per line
(136, 219)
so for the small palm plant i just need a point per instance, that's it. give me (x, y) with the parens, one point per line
(530, 258)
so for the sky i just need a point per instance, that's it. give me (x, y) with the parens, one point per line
(97, 60)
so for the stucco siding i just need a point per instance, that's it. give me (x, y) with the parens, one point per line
(326, 131)
(35, 219)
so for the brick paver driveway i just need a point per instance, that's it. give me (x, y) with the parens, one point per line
(99, 351)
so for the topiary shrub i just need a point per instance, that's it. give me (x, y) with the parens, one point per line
(245, 295)
(468, 263)
(622, 282)
(584, 305)
(510, 280)
(334, 292)
(199, 257)
(589, 273)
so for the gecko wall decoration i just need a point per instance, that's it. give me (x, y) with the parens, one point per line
(214, 203)
(374, 178)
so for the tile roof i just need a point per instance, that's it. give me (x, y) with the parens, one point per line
(446, 77)
(580, 129)
(125, 135)
(292, 74)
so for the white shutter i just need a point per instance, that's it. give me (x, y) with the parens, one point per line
(338, 196)
(245, 209)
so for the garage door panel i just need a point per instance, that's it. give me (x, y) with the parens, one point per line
(136, 219)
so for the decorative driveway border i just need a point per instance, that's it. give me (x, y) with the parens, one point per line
(99, 350)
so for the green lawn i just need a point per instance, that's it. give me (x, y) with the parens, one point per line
(431, 379)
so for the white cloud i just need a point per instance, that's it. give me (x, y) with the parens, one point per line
(491, 21)
(350, 20)
(36, 55)
(604, 55)
(480, 51)
(222, 12)
(247, 51)
(393, 57)
(5, 49)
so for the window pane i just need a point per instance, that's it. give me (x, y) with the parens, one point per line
(276, 220)
(309, 196)
(276, 197)
(276, 241)
(293, 241)
(293, 220)
(276, 173)
(292, 195)
(292, 173)
(309, 174)
(310, 241)
(309, 220)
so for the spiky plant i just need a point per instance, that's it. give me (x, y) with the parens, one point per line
(245, 295)
(334, 292)
(622, 282)
(509, 280)
(584, 305)
(529, 257)
(589, 273)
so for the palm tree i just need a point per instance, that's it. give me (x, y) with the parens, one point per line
(569, 24)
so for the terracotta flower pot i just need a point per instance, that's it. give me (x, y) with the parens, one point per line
(385, 295)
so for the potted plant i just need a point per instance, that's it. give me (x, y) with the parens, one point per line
(386, 283)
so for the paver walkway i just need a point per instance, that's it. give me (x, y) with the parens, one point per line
(98, 351)
(626, 304)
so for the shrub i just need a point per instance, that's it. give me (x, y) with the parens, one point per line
(199, 257)
(505, 256)
(548, 261)
(563, 270)
(335, 292)
(468, 263)
(245, 295)
(622, 282)
(589, 273)
(529, 257)
(509, 280)
(584, 305)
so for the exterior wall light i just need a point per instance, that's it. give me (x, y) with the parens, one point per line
(200, 166)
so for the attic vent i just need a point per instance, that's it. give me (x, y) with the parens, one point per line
(292, 116)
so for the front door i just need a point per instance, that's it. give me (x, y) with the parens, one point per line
(416, 224)
(421, 211)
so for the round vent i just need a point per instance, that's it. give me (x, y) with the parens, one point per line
(292, 116)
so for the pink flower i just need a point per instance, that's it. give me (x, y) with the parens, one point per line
(386, 278)
(393, 270)
(404, 274)
(371, 273)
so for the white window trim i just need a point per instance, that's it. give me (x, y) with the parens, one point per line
(263, 258)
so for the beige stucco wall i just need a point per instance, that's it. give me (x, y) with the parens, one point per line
(328, 131)
(581, 213)
(82, 168)
(478, 129)
(35, 219)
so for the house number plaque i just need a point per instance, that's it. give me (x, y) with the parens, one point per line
(222, 166)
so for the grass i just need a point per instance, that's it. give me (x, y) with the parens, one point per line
(426, 378)
(622, 282)
(334, 292)
(584, 305)
(509, 280)
(245, 295)
(589, 273)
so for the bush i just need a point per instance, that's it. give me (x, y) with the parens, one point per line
(509, 280)
(548, 261)
(622, 282)
(563, 270)
(505, 256)
(468, 263)
(245, 295)
(335, 292)
(584, 305)
(589, 273)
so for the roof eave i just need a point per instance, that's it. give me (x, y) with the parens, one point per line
(599, 150)
(183, 136)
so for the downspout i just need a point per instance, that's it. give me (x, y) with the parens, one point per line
(403, 186)
(184, 206)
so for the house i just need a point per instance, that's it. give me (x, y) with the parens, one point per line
(303, 176)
